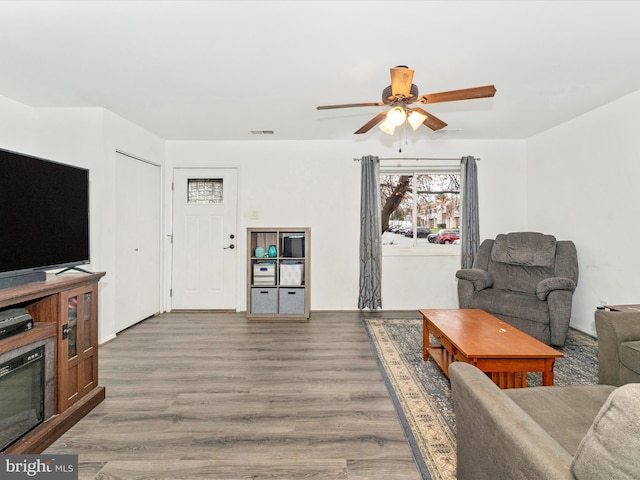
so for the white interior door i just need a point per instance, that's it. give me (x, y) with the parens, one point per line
(204, 239)
(137, 261)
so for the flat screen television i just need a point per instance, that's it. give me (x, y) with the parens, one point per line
(44, 217)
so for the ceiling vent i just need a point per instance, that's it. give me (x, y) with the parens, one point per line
(262, 132)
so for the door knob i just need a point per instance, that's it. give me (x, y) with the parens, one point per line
(230, 247)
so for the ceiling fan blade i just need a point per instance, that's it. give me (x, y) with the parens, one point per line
(453, 95)
(401, 78)
(349, 105)
(433, 122)
(371, 123)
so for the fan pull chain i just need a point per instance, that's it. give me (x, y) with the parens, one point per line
(406, 137)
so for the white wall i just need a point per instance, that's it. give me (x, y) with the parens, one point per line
(16, 131)
(576, 181)
(86, 137)
(317, 184)
(582, 183)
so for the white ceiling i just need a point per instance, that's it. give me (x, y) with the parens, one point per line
(215, 70)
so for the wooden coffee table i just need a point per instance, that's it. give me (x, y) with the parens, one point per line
(474, 336)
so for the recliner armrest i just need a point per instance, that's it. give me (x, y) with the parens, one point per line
(481, 279)
(548, 285)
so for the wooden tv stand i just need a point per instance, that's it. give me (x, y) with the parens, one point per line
(66, 308)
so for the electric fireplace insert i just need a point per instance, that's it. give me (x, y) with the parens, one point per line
(23, 391)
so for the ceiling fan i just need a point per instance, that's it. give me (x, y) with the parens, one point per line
(401, 96)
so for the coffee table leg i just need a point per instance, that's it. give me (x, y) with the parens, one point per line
(425, 339)
(547, 374)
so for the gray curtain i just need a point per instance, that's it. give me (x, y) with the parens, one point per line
(470, 233)
(370, 235)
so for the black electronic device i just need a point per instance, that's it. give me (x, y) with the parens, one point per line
(294, 246)
(44, 218)
(14, 320)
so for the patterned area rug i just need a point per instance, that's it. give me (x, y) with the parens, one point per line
(422, 394)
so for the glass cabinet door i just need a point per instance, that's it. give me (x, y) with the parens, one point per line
(86, 321)
(78, 356)
(72, 326)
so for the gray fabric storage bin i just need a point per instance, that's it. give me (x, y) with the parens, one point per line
(264, 300)
(291, 300)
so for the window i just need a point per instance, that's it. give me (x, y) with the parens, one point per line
(204, 190)
(417, 204)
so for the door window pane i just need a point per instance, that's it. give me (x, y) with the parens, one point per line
(205, 190)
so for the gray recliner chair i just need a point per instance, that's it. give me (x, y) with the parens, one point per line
(618, 347)
(527, 280)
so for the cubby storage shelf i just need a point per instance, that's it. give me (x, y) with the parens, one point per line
(278, 283)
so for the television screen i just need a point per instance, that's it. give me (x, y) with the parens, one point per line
(44, 214)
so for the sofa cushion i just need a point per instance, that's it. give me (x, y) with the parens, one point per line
(610, 448)
(630, 355)
(525, 248)
(512, 304)
(518, 278)
(519, 261)
(565, 413)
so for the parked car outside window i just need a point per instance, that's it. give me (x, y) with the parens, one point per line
(447, 236)
(423, 232)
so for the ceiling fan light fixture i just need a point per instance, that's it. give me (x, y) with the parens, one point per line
(387, 127)
(416, 119)
(400, 97)
(396, 116)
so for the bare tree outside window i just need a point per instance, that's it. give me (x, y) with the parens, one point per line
(415, 207)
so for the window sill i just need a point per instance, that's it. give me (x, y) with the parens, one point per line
(426, 251)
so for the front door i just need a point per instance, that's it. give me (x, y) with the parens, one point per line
(204, 239)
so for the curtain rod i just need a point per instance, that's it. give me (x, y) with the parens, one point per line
(418, 158)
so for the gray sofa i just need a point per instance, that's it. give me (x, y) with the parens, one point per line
(583, 432)
(618, 347)
(526, 279)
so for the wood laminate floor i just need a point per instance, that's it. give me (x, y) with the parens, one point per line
(203, 395)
